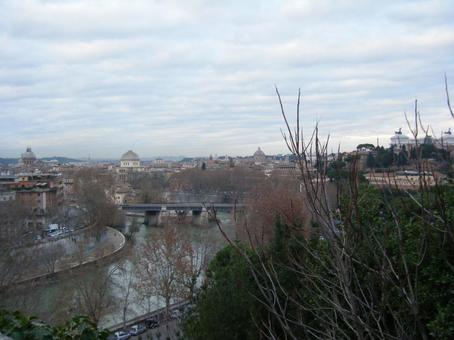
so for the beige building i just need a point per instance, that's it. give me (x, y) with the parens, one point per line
(402, 179)
(121, 195)
(129, 163)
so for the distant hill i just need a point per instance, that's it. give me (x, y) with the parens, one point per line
(61, 160)
(6, 161)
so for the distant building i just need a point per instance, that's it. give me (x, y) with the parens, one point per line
(408, 179)
(400, 141)
(121, 195)
(130, 160)
(28, 158)
(447, 140)
(129, 165)
(259, 156)
(38, 191)
(42, 198)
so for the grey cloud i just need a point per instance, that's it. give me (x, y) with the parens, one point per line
(197, 77)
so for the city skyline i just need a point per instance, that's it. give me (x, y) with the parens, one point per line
(197, 78)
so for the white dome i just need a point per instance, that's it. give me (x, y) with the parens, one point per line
(130, 156)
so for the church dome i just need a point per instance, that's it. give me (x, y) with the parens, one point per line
(130, 156)
(259, 153)
(28, 154)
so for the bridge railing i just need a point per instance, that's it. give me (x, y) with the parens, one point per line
(141, 318)
(180, 206)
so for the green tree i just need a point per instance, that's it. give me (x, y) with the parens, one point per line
(370, 162)
(337, 171)
(384, 157)
(366, 146)
(225, 305)
(19, 326)
(387, 241)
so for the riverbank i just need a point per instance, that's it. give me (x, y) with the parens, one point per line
(81, 251)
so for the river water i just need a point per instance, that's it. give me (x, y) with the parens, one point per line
(53, 300)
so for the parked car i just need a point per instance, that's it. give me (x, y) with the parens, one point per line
(175, 314)
(152, 322)
(55, 233)
(120, 335)
(137, 329)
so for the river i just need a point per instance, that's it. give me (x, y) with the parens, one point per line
(53, 300)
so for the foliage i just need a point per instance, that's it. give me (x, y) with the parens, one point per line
(150, 185)
(365, 146)
(93, 291)
(400, 276)
(384, 157)
(235, 180)
(370, 162)
(337, 171)
(225, 306)
(170, 266)
(19, 326)
(92, 189)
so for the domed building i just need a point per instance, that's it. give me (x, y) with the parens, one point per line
(259, 156)
(28, 158)
(399, 140)
(130, 160)
(447, 140)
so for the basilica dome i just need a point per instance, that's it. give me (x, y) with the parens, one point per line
(28, 155)
(259, 156)
(259, 153)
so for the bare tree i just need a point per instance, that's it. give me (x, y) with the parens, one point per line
(80, 243)
(265, 205)
(125, 285)
(333, 292)
(193, 264)
(93, 291)
(14, 236)
(49, 255)
(160, 264)
(93, 191)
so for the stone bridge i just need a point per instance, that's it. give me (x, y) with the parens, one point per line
(200, 212)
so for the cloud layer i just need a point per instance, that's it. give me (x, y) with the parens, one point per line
(197, 77)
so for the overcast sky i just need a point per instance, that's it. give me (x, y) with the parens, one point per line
(197, 77)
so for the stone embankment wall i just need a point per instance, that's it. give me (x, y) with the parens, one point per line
(112, 242)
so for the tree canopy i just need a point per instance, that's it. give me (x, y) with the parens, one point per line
(399, 274)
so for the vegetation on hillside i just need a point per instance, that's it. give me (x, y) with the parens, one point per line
(376, 264)
(18, 326)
